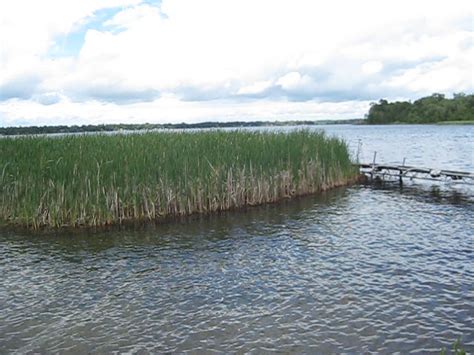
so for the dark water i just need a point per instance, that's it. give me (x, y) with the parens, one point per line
(359, 269)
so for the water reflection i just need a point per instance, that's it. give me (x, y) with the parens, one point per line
(182, 232)
(361, 269)
(427, 193)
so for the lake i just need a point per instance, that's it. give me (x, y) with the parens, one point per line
(358, 269)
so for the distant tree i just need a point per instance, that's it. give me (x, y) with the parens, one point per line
(434, 108)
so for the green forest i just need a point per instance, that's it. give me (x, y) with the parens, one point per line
(430, 109)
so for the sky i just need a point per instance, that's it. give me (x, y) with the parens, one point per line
(134, 61)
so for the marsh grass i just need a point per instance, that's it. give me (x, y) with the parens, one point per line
(96, 180)
(467, 122)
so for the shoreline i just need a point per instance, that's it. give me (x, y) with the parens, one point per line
(170, 219)
(440, 123)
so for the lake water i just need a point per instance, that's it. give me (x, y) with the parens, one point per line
(358, 269)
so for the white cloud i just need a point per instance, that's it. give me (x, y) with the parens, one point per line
(135, 16)
(444, 75)
(256, 88)
(171, 109)
(291, 81)
(372, 67)
(29, 28)
(278, 51)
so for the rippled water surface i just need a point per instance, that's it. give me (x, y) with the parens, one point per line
(358, 269)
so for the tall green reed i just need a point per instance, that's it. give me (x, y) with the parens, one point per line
(92, 180)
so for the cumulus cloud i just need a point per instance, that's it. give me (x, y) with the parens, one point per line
(28, 29)
(234, 53)
(49, 98)
(255, 89)
(372, 67)
(171, 109)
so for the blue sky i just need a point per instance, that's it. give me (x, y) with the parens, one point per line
(87, 62)
(70, 43)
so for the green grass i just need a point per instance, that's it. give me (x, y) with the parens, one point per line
(100, 180)
(457, 349)
(456, 122)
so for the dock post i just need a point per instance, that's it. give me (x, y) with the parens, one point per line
(373, 167)
(359, 144)
(401, 173)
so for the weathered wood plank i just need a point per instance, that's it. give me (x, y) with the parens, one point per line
(405, 171)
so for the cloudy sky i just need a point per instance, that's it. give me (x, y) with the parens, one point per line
(131, 61)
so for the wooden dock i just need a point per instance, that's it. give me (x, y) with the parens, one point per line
(386, 171)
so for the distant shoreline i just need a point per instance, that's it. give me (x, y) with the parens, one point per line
(427, 110)
(27, 130)
(104, 128)
(457, 123)
(440, 123)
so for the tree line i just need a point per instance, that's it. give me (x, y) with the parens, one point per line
(430, 109)
(10, 131)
